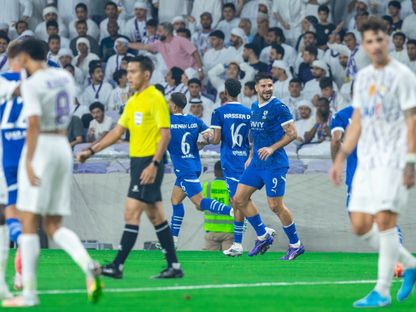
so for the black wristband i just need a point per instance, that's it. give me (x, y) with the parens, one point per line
(91, 151)
(156, 163)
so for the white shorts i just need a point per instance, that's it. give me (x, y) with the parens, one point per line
(3, 187)
(52, 164)
(378, 190)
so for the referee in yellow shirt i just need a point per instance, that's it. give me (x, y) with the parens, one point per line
(146, 116)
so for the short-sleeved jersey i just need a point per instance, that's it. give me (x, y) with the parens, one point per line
(234, 121)
(183, 148)
(12, 126)
(340, 122)
(267, 122)
(382, 95)
(144, 115)
(50, 94)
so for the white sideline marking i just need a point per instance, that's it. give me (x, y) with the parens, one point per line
(195, 287)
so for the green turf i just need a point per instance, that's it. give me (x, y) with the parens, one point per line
(56, 272)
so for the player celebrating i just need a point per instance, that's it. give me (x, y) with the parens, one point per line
(184, 153)
(231, 124)
(13, 134)
(272, 129)
(384, 126)
(45, 170)
(146, 115)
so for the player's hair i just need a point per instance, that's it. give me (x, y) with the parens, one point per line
(374, 24)
(401, 34)
(325, 82)
(262, 76)
(110, 3)
(118, 74)
(279, 49)
(167, 27)
(253, 47)
(161, 88)
(229, 5)
(13, 49)
(323, 8)
(98, 105)
(185, 31)
(312, 50)
(93, 67)
(54, 37)
(411, 41)
(35, 48)
(52, 24)
(278, 32)
(151, 23)
(5, 37)
(179, 99)
(295, 80)
(250, 84)
(233, 87)
(81, 22)
(82, 6)
(21, 22)
(194, 80)
(145, 63)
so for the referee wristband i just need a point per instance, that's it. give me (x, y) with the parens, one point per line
(411, 158)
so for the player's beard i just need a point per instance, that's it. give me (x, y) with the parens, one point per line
(266, 96)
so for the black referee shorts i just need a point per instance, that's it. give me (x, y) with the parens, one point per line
(149, 193)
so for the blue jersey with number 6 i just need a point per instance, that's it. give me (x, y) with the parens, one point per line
(234, 121)
(183, 148)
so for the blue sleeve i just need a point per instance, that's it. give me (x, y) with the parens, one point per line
(216, 119)
(338, 122)
(201, 125)
(284, 115)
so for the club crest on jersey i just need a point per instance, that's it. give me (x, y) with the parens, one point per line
(265, 114)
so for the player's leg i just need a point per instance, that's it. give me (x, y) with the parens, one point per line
(156, 215)
(15, 229)
(71, 244)
(178, 211)
(132, 211)
(4, 252)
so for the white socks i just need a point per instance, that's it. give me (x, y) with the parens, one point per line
(30, 249)
(72, 245)
(372, 237)
(387, 259)
(4, 253)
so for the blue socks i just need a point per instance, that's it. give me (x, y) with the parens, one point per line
(257, 224)
(15, 229)
(238, 232)
(291, 234)
(177, 218)
(215, 207)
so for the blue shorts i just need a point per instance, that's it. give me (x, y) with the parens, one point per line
(190, 184)
(273, 178)
(232, 181)
(348, 195)
(10, 174)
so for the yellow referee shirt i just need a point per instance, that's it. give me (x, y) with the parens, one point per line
(144, 114)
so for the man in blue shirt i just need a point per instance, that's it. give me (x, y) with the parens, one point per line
(272, 128)
(13, 134)
(231, 124)
(184, 153)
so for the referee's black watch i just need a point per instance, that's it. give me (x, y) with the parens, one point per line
(156, 163)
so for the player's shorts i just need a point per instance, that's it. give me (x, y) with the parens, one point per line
(376, 190)
(349, 188)
(190, 184)
(273, 178)
(149, 193)
(53, 165)
(232, 181)
(10, 174)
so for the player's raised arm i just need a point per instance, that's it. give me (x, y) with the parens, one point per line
(409, 170)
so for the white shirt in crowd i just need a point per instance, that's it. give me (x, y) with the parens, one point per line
(168, 9)
(93, 29)
(289, 57)
(42, 34)
(84, 65)
(96, 93)
(118, 98)
(100, 128)
(113, 64)
(135, 30)
(409, 26)
(382, 96)
(213, 6)
(103, 27)
(226, 28)
(281, 88)
(4, 64)
(213, 57)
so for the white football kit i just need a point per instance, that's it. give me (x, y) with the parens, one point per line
(382, 95)
(49, 94)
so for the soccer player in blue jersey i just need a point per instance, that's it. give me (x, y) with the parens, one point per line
(13, 133)
(272, 128)
(231, 124)
(184, 153)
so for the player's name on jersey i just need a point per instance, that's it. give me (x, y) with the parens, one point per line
(237, 116)
(184, 126)
(15, 135)
(187, 156)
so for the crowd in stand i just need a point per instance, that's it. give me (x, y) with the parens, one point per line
(310, 47)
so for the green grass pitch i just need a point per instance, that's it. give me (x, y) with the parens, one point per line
(313, 282)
